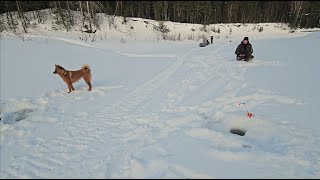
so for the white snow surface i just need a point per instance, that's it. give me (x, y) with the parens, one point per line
(160, 109)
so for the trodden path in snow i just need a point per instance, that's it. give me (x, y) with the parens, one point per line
(196, 99)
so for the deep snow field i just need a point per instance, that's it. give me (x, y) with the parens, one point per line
(161, 109)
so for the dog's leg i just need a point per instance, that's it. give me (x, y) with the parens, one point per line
(87, 80)
(70, 87)
(89, 84)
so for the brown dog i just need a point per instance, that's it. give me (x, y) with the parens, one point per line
(70, 77)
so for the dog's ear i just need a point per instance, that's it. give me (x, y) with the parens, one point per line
(56, 65)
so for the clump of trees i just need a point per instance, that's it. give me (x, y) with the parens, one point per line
(162, 28)
(61, 11)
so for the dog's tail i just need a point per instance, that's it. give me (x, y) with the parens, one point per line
(87, 72)
(86, 68)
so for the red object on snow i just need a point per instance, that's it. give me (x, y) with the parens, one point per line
(248, 113)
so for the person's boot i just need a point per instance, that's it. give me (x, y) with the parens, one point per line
(248, 58)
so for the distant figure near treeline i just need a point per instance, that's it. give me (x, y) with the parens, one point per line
(204, 43)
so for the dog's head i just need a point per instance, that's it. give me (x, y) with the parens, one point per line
(58, 69)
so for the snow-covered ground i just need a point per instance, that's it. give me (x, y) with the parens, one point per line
(161, 109)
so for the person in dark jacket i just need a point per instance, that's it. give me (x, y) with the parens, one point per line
(204, 43)
(211, 39)
(244, 50)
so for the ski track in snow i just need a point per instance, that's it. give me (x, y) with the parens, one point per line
(110, 143)
(80, 43)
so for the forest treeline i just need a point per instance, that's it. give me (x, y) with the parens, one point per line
(305, 14)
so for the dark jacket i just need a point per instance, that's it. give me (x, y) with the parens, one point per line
(204, 43)
(244, 49)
